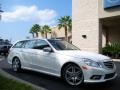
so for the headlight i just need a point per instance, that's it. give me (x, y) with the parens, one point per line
(92, 63)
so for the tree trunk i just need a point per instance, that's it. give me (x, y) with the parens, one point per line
(36, 34)
(45, 34)
(66, 33)
(33, 35)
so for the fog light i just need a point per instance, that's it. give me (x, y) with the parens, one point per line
(96, 77)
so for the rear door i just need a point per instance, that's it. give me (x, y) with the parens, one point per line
(28, 53)
(16, 50)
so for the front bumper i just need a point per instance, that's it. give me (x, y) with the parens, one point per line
(105, 74)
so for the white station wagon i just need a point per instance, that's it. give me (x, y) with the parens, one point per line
(61, 59)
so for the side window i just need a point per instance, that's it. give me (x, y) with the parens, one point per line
(18, 45)
(29, 44)
(40, 44)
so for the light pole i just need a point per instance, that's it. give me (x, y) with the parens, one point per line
(0, 12)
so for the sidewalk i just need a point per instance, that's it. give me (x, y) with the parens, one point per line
(117, 60)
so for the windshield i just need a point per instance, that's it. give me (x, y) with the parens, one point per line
(62, 45)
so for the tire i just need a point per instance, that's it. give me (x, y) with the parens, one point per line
(73, 75)
(16, 65)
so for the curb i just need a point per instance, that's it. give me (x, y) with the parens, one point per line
(117, 60)
(7, 75)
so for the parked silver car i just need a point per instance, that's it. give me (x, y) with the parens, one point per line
(61, 59)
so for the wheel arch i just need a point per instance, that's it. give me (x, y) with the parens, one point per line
(14, 58)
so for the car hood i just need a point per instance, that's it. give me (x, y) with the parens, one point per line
(84, 54)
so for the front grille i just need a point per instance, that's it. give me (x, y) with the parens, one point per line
(109, 64)
(108, 76)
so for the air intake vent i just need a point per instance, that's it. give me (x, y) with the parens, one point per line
(109, 64)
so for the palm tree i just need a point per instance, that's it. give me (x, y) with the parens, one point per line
(70, 25)
(46, 29)
(35, 29)
(41, 31)
(66, 23)
(31, 31)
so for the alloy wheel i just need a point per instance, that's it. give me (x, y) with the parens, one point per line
(16, 65)
(73, 75)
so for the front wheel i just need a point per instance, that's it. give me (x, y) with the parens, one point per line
(73, 75)
(16, 65)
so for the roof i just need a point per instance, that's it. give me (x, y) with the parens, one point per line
(43, 39)
(38, 39)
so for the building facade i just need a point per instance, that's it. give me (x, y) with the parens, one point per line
(95, 23)
(56, 33)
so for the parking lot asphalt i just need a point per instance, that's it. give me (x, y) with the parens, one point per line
(2, 58)
(54, 83)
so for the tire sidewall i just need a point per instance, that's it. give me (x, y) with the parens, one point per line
(19, 68)
(63, 74)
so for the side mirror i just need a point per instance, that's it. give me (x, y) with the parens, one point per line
(47, 49)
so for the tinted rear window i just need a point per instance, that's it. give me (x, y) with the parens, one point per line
(19, 44)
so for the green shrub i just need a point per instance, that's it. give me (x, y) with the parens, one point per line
(112, 50)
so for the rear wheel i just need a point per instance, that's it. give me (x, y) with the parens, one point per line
(73, 75)
(16, 65)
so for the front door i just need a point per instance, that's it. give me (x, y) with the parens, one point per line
(45, 61)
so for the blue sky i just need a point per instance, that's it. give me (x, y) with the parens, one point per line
(20, 15)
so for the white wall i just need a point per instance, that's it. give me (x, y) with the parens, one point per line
(85, 22)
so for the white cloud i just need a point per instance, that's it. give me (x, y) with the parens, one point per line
(30, 14)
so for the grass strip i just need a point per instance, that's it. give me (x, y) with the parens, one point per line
(9, 84)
